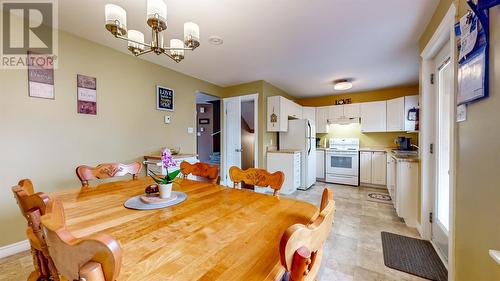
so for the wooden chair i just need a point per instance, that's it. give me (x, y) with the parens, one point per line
(93, 258)
(258, 177)
(201, 170)
(32, 206)
(301, 246)
(103, 171)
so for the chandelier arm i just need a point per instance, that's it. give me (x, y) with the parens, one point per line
(170, 56)
(177, 49)
(133, 41)
(144, 52)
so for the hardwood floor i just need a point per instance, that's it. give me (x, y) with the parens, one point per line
(353, 250)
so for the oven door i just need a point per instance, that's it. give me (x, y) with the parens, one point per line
(342, 163)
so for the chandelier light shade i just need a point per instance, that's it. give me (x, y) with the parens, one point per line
(116, 19)
(136, 41)
(176, 43)
(191, 35)
(156, 18)
(157, 14)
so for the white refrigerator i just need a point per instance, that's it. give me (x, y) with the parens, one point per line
(301, 135)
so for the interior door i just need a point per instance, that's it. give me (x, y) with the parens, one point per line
(444, 86)
(232, 135)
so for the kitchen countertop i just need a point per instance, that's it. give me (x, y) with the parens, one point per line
(405, 158)
(388, 150)
(376, 148)
(289, 151)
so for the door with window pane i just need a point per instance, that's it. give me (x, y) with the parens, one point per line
(444, 120)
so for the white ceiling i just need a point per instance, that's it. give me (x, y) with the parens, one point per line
(300, 46)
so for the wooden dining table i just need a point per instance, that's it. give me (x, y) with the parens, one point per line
(217, 233)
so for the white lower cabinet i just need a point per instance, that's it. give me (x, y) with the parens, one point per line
(391, 176)
(365, 166)
(406, 191)
(322, 120)
(320, 165)
(289, 164)
(372, 167)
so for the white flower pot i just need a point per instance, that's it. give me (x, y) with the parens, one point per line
(165, 190)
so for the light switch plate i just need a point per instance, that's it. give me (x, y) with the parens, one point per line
(167, 119)
(461, 113)
(190, 130)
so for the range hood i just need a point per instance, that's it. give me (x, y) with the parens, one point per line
(343, 120)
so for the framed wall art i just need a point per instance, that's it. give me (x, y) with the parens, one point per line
(86, 94)
(164, 98)
(40, 77)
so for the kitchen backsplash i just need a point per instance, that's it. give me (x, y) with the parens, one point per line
(367, 139)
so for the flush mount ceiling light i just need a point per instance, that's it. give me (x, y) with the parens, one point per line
(342, 84)
(156, 11)
(215, 40)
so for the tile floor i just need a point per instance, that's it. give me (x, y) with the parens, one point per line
(354, 248)
(353, 251)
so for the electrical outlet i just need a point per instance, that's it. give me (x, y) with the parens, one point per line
(167, 119)
(190, 130)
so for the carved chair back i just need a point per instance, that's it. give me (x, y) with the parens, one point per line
(33, 206)
(109, 170)
(257, 177)
(200, 169)
(93, 258)
(301, 246)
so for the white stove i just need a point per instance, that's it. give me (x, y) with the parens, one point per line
(342, 161)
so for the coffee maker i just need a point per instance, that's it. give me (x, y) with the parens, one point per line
(404, 143)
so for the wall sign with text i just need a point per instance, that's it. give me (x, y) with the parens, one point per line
(87, 94)
(164, 98)
(40, 78)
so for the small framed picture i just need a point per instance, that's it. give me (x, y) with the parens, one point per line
(164, 98)
(40, 77)
(86, 94)
(203, 121)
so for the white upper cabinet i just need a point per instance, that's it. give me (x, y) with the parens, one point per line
(277, 118)
(411, 102)
(322, 119)
(335, 112)
(293, 110)
(396, 115)
(351, 110)
(279, 109)
(373, 116)
(309, 113)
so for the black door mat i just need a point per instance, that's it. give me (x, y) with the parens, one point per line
(414, 256)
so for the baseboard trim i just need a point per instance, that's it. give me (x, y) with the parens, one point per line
(419, 229)
(12, 249)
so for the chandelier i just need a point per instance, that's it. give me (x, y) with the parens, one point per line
(116, 23)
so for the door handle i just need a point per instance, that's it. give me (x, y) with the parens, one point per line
(239, 150)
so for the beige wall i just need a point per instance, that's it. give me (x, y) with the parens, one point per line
(477, 209)
(264, 89)
(46, 139)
